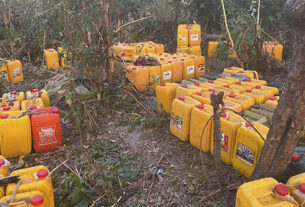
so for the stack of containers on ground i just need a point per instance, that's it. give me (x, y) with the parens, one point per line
(189, 39)
(11, 70)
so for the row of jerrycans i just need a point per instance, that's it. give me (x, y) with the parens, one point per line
(12, 70)
(267, 192)
(54, 58)
(34, 189)
(189, 35)
(192, 50)
(173, 68)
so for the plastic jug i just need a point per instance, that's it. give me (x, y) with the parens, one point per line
(296, 185)
(14, 70)
(65, 62)
(266, 192)
(127, 52)
(139, 76)
(34, 102)
(255, 117)
(297, 163)
(180, 116)
(200, 66)
(10, 106)
(253, 82)
(264, 110)
(36, 178)
(159, 48)
(233, 89)
(248, 147)
(239, 77)
(154, 76)
(271, 91)
(212, 49)
(230, 122)
(233, 105)
(185, 82)
(183, 35)
(187, 90)
(43, 94)
(273, 101)
(46, 129)
(194, 35)
(246, 101)
(51, 56)
(15, 131)
(4, 171)
(183, 49)
(166, 72)
(27, 199)
(188, 68)
(13, 96)
(199, 117)
(232, 70)
(165, 94)
(245, 86)
(178, 70)
(205, 96)
(151, 49)
(3, 69)
(227, 80)
(277, 52)
(250, 73)
(195, 50)
(258, 96)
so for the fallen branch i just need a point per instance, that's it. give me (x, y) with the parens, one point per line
(132, 22)
(139, 102)
(154, 173)
(58, 166)
(99, 198)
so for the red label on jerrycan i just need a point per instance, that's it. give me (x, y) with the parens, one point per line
(46, 128)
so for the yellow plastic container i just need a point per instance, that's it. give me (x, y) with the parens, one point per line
(245, 86)
(183, 35)
(233, 105)
(199, 117)
(271, 91)
(16, 134)
(151, 49)
(246, 101)
(273, 101)
(248, 147)
(277, 52)
(165, 94)
(166, 72)
(178, 70)
(296, 185)
(14, 70)
(230, 122)
(181, 115)
(202, 97)
(13, 96)
(43, 94)
(154, 76)
(265, 192)
(51, 56)
(183, 49)
(213, 84)
(194, 35)
(250, 73)
(126, 52)
(200, 66)
(188, 68)
(4, 171)
(195, 50)
(139, 76)
(64, 62)
(232, 70)
(3, 69)
(212, 49)
(36, 178)
(258, 96)
(159, 48)
(253, 82)
(187, 90)
(233, 89)
(28, 199)
(35, 102)
(228, 80)
(10, 106)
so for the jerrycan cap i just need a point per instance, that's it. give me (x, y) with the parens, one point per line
(199, 93)
(247, 124)
(241, 72)
(169, 62)
(258, 87)
(238, 83)
(181, 98)
(296, 157)
(32, 107)
(224, 115)
(35, 90)
(201, 107)
(37, 200)
(211, 89)
(50, 50)
(161, 58)
(229, 68)
(55, 111)
(210, 81)
(133, 68)
(2, 162)
(272, 98)
(181, 59)
(174, 57)
(160, 53)
(248, 80)
(281, 190)
(231, 95)
(162, 84)
(196, 84)
(42, 173)
(6, 108)
(226, 86)
(184, 86)
(4, 116)
(249, 91)
(222, 77)
(233, 74)
(13, 92)
(302, 187)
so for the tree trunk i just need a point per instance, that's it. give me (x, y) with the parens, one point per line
(289, 119)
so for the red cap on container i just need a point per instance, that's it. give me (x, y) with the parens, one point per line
(32, 107)
(302, 187)
(2, 162)
(282, 190)
(174, 57)
(182, 60)
(13, 92)
(184, 86)
(169, 62)
(247, 124)
(6, 108)
(55, 111)
(4, 116)
(231, 95)
(248, 80)
(200, 107)
(160, 53)
(238, 83)
(273, 98)
(258, 87)
(196, 84)
(241, 72)
(161, 58)
(226, 86)
(249, 91)
(233, 74)
(162, 84)
(37, 200)
(222, 77)
(210, 81)
(211, 89)
(296, 157)
(199, 93)
(50, 50)
(165, 55)
(42, 173)
(123, 54)
(133, 68)
(229, 68)
(35, 90)
(181, 98)
(223, 115)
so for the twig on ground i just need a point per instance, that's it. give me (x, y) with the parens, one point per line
(99, 198)
(58, 166)
(132, 22)
(154, 175)
(139, 102)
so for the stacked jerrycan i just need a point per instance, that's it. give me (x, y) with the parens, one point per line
(296, 185)
(297, 163)
(189, 39)
(12, 70)
(274, 49)
(51, 56)
(3, 69)
(4, 171)
(165, 93)
(212, 49)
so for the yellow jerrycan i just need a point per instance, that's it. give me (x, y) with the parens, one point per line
(187, 90)
(183, 35)
(237, 107)
(166, 72)
(4, 171)
(277, 52)
(248, 147)
(181, 115)
(165, 94)
(3, 69)
(10, 106)
(139, 76)
(246, 101)
(271, 91)
(227, 80)
(200, 66)
(233, 89)
(230, 122)
(51, 57)
(15, 130)
(183, 49)
(244, 86)
(34, 102)
(13, 96)
(199, 118)
(178, 69)
(43, 94)
(273, 101)
(258, 96)
(232, 70)
(195, 50)
(36, 178)
(188, 68)
(151, 49)
(250, 73)
(65, 62)
(14, 70)
(194, 35)
(253, 82)
(266, 192)
(212, 49)
(159, 48)
(154, 76)
(202, 97)
(296, 185)
(28, 199)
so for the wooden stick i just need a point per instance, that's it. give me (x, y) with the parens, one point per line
(58, 166)
(132, 22)
(99, 198)
(155, 171)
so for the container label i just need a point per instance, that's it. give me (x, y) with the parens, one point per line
(224, 142)
(190, 69)
(182, 37)
(47, 135)
(167, 75)
(176, 121)
(245, 154)
(16, 72)
(195, 37)
(201, 68)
